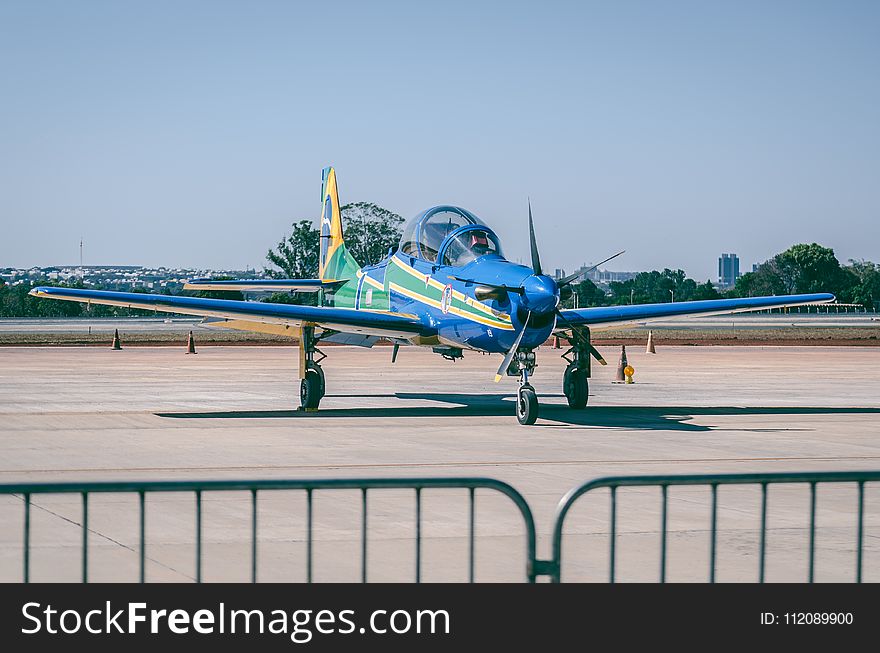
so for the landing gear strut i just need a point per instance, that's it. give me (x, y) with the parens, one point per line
(526, 399)
(575, 381)
(311, 385)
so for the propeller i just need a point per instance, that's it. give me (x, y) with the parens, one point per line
(536, 269)
(536, 264)
(564, 281)
(533, 244)
(508, 358)
(574, 334)
(538, 293)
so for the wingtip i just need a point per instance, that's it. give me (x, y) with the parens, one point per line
(497, 378)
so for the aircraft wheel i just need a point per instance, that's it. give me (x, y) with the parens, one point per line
(320, 372)
(576, 387)
(526, 405)
(310, 389)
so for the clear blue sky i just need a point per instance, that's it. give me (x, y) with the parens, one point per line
(193, 133)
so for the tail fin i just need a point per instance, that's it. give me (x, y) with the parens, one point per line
(331, 221)
(335, 261)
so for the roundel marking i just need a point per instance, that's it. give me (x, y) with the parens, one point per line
(446, 299)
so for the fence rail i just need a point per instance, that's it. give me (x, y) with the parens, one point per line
(535, 567)
(713, 481)
(27, 490)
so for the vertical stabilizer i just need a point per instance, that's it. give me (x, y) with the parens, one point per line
(335, 262)
(331, 221)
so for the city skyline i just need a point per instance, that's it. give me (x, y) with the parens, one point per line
(673, 131)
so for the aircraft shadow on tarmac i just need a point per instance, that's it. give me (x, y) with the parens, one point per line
(675, 418)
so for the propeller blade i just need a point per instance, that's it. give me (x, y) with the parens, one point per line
(593, 351)
(536, 259)
(567, 280)
(510, 354)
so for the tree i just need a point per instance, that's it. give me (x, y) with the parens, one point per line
(809, 268)
(586, 293)
(765, 280)
(297, 255)
(659, 287)
(799, 269)
(867, 289)
(706, 291)
(220, 294)
(370, 231)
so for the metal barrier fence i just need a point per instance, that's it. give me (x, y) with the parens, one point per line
(26, 490)
(713, 481)
(535, 567)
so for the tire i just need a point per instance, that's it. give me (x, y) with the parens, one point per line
(576, 387)
(320, 372)
(310, 390)
(526, 406)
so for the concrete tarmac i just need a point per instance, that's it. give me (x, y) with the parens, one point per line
(229, 413)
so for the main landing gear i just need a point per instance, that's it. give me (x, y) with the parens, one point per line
(575, 381)
(311, 385)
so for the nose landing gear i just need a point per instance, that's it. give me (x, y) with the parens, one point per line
(526, 398)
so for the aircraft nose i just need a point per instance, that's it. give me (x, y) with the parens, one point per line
(541, 294)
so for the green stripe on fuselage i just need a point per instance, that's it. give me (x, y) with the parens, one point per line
(417, 286)
(430, 291)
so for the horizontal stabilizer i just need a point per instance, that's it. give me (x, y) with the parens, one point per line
(264, 285)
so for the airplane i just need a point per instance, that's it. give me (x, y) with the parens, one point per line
(448, 287)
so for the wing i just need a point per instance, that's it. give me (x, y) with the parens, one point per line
(346, 320)
(601, 316)
(263, 285)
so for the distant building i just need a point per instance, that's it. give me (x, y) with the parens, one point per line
(601, 278)
(728, 270)
(605, 277)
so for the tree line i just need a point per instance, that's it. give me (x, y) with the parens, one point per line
(371, 230)
(799, 269)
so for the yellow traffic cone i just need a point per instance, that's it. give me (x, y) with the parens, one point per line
(621, 365)
(117, 345)
(650, 349)
(190, 344)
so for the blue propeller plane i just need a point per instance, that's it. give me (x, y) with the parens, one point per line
(448, 287)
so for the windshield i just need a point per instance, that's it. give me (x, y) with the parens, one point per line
(469, 246)
(424, 234)
(435, 229)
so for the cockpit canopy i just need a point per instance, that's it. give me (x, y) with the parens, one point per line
(454, 234)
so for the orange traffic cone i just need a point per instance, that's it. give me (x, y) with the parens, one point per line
(650, 349)
(117, 345)
(190, 344)
(621, 366)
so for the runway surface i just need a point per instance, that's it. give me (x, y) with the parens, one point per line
(229, 412)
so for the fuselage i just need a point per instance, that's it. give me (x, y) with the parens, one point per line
(458, 285)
